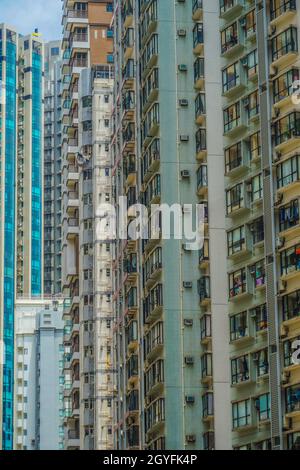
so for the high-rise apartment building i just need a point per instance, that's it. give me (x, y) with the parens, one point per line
(260, 66)
(21, 187)
(52, 169)
(39, 380)
(168, 149)
(87, 43)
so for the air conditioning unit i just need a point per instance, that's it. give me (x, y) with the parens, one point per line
(184, 138)
(185, 174)
(182, 68)
(189, 360)
(188, 322)
(190, 400)
(187, 285)
(190, 438)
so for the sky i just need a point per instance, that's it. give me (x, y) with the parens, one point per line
(26, 15)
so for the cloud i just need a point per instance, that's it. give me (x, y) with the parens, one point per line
(26, 15)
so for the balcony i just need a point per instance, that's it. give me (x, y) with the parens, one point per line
(155, 416)
(289, 219)
(204, 291)
(292, 398)
(230, 9)
(198, 39)
(72, 146)
(130, 170)
(290, 263)
(73, 200)
(128, 75)
(153, 304)
(79, 17)
(207, 368)
(154, 379)
(282, 11)
(154, 341)
(130, 267)
(197, 10)
(132, 403)
(128, 43)
(132, 369)
(231, 45)
(208, 407)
